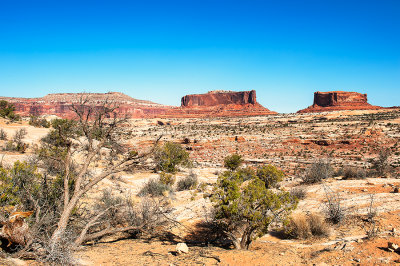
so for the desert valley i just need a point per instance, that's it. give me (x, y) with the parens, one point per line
(338, 161)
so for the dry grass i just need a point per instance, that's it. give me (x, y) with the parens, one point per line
(307, 226)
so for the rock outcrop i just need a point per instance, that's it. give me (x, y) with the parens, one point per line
(59, 104)
(219, 104)
(339, 100)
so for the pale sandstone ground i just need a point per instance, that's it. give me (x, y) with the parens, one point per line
(278, 140)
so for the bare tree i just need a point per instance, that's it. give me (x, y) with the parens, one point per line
(96, 138)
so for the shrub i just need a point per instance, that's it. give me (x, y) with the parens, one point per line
(3, 134)
(169, 156)
(306, 226)
(154, 188)
(245, 210)
(299, 192)
(333, 207)
(19, 135)
(354, 173)
(187, 183)
(17, 143)
(318, 171)
(270, 175)
(167, 179)
(298, 227)
(246, 173)
(24, 186)
(7, 111)
(381, 163)
(317, 224)
(233, 161)
(38, 122)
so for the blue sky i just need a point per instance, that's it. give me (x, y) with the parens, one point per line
(162, 50)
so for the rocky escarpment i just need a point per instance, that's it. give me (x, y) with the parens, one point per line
(60, 104)
(339, 100)
(218, 104)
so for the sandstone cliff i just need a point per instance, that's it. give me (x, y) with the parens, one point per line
(339, 100)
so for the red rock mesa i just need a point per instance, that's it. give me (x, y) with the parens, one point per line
(218, 104)
(339, 100)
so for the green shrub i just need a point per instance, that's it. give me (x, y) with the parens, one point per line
(7, 111)
(246, 209)
(270, 175)
(167, 179)
(169, 156)
(233, 161)
(39, 122)
(187, 183)
(246, 173)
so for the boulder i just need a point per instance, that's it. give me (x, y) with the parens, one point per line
(182, 248)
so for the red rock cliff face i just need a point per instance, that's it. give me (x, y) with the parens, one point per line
(339, 100)
(218, 97)
(59, 104)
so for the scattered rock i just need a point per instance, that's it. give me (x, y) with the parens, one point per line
(392, 246)
(347, 247)
(182, 248)
(396, 190)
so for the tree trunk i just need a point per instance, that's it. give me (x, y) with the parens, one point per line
(246, 239)
(63, 222)
(236, 243)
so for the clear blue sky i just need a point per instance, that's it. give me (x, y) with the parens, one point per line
(162, 50)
